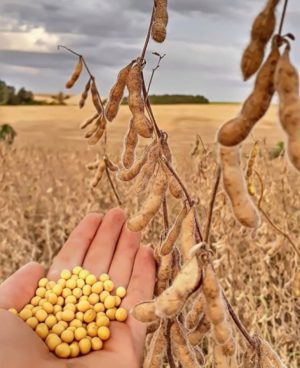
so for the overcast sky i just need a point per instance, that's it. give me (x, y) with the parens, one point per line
(204, 44)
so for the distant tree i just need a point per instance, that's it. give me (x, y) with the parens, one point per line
(175, 99)
(7, 133)
(8, 95)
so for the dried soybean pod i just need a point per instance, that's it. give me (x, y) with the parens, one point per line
(211, 287)
(172, 300)
(235, 186)
(99, 132)
(187, 234)
(168, 243)
(89, 121)
(88, 134)
(157, 349)
(130, 143)
(181, 348)
(196, 312)
(85, 93)
(127, 175)
(196, 336)
(250, 169)
(148, 169)
(145, 311)
(76, 73)
(160, 21)
(110, 165)
(220, 359)
(222, 332)
(165, 147)
(262, 30)
(141, 123)
(164, 273)
(152, 204)
(174, 187)
(256, 105)
(93, 165)
(116, 93)
(269, 358)
(99, 173)
(95, 97)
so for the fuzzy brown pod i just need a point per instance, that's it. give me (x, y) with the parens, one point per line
(250, 169)
(196, 335)
(183, 351)
(172, 300)
(169, 242)
(130, 143)
(269, 358)
(96, 98)
(256, 105)
(145, 311)
(174, 187)
(262, 30)
(85, 94)
(111, 165)
(157, 349)
(76, 73)
(116, 93)
(99, 173)
(160, 21)
(141, 123)
(152, 204)
(89, 121)
(99, 131)
(132, 172)
(287, 87)
(165, 148)
(219, 358)
(235, 186)
(148, 169)
(187, 235)
(196, 312)
(164, 273)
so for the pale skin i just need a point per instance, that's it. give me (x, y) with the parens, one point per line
(100, 244)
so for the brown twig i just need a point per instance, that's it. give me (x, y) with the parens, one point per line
(171, 361)
(165, 216)
(148, 35)
(212, 202)
(113, 186)
(285, 235)
(283, 17)
(160, 57)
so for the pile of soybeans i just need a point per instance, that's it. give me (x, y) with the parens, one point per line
(73, 314)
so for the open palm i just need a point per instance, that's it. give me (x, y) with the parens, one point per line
(99, 244)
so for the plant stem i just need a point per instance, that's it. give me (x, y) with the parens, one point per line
(283, 17)
(148, 35)
(171, 361)
(160, 57)
(113, 186)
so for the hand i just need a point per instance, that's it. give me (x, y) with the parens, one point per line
(100, 244)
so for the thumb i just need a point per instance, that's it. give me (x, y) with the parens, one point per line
(19, 288)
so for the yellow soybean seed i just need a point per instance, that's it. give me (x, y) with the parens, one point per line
(104, 294)
(83, 274)
(83, 306)
(76, 270)
(109, 302)
(41, 315)
(111, 313)
(121, 291)
(57, 308)
(65, 274)
(97, 287)
(63, 350)
(92, 329)
(42, 301)
(102, 321)
(67, 315)
(70, 307)
(86, 290)
(67, 336)
(74, 347)
(89, 316)
(118, 300)
(75, 277)
(41, 291)
(48, 307)
(93, 298)
(96, 343)
(59, 316)
(71, 299)
(57, 289)
(32, 322)
(71, 284)
(71, 328)
(91, 279)
(80, 283)
(66, 292)
(99, 307)
(77, 292)
(60, 301)
(27, 306)
(43, 282)
(104, 277)
(80, 333)
(35, 300)
(52, 341)
(52, 298)
(121, 314)
(62, 282)
(108, 285)
(14, 311)
(42, 330)
(25, 314)
(64, 323)
(57, 329)
(76, 323)
(85, 346)
(84, 297)
(79, 315)
(103, 333)
(35, 309)
(50, 321)
(50, 285)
